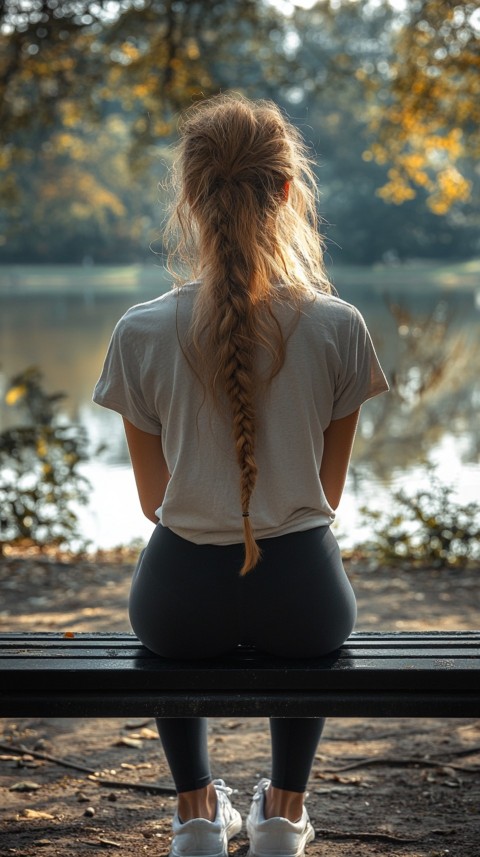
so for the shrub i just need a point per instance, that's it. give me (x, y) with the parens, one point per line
(40, 482)
(428, 528)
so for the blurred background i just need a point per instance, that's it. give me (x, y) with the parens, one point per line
(387, 95)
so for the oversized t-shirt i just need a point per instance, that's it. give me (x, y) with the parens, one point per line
(330, 369)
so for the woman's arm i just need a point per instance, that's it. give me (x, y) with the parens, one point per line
(149, 468)
(338, 442)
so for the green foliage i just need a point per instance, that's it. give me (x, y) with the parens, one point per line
(428, 528)
(40, 483)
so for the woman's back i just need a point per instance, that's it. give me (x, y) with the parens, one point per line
(330, 368)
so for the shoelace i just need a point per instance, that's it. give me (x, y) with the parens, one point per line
(221, 787)
(259, 789)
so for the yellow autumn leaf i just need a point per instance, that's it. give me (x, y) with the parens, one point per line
(42, 447)
(192, 49)
(130, 52)
(15, 394)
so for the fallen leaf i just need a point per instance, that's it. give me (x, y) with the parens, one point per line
(127, 766)
(69, 635)
(34, 813)
(129, 742)
(148, 734)
(24, 786)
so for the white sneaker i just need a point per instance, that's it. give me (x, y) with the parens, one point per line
(275, 837)
(202, 838)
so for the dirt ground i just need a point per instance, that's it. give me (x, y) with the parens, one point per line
(403, 788)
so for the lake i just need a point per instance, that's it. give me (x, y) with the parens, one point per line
(425, 323)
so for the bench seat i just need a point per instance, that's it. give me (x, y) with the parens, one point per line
(374, 674)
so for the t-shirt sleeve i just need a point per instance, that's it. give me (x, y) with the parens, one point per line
(120, 386)
(361, 376)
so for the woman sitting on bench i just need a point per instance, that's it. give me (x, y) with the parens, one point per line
(240, 393)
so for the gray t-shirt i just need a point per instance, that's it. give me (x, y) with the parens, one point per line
(330, 369)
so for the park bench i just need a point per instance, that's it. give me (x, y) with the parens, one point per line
(374, 674)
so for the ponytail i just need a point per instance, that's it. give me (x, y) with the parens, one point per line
(250, 243)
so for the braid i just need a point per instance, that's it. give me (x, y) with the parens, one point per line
(236, 357)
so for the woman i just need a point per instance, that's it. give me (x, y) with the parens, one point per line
(240, 394)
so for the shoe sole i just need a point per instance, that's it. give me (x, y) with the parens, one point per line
(234, 827)
(308, 836)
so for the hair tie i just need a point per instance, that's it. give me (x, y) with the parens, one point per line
(245, 514)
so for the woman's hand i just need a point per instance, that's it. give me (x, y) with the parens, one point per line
(338, 442)
(149, 468)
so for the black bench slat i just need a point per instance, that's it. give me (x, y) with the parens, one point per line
(379, 639)
(280, 704)
(396, 676)
(119, 637)
(346, 653)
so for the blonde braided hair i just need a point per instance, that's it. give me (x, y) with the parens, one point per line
(247, 226)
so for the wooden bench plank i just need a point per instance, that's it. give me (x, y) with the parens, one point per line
(381, 704)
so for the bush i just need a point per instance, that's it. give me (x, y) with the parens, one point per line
(40, 482)
(428, 528)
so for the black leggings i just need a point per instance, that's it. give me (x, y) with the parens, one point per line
(189, 601)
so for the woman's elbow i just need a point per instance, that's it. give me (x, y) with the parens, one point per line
(150, 513)
(333, 497)
(334, 502)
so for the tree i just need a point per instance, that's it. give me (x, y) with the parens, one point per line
(427, 120)
(68, 71)
(64, 60)
(338, 59)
